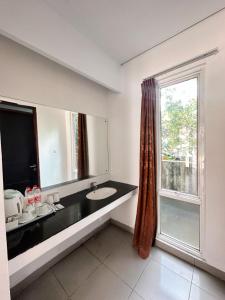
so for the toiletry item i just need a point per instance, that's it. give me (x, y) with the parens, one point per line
(29, 213)
(29, 208)
(59, 206)
(25, 202)
(26, 191)
(37, 195)
(44, 209)
(50, 199)
(30, 196)
(56, 197)
(26, 217)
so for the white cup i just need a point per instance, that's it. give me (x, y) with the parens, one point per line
(50, 199)
(42, 210)
(27, 216)
(56, 197)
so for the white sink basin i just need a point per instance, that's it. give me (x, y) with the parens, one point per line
(101, 193)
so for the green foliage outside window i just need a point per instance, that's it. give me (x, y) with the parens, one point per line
(178, 126)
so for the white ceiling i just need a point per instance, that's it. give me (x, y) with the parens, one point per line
(126, 28)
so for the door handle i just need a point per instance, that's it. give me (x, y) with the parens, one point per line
(33, 166)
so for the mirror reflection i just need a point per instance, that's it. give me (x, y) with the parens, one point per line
(46, 146)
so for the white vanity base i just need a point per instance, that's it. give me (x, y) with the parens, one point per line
(35, 258)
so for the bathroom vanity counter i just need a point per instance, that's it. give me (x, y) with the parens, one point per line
(77, 208)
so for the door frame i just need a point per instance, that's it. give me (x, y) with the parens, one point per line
(193, 71)
(25, 109)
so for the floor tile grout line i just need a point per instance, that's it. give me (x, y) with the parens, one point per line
(132, 288)
(133, 291)
(192, 274)
(103, 263)
(111, 253)
(191, 283)
(94, 255)
(86, 279)
(117, 275)
(107, 267)
(141, 274)
(151, 258)
(79, 285)
(200, 287)
(161, 264)
(206, 291)
(189, 295)
(59, 282)
(130, 295)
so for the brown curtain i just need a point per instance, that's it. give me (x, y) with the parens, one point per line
(146, 219)
(83, 163)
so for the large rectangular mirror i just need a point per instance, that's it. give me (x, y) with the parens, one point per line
(47, 146)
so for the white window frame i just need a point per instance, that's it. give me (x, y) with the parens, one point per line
(194, 71)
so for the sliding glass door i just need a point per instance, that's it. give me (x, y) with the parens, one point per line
(178, 162)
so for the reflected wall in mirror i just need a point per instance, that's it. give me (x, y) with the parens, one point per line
(48, 146)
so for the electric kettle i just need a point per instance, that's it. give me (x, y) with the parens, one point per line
(13, 203)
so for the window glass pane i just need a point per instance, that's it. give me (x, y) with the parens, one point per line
(180, 220)
(179, 137)
(74, 142)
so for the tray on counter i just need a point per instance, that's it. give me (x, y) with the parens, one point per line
(30, 221)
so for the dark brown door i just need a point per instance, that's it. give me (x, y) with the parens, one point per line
(19, 146)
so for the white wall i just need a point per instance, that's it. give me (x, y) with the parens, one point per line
(125, 124)
(97, 145)
(53, 150)
(36, 25)
(28, 76)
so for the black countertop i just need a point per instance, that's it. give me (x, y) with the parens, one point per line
(77, 207)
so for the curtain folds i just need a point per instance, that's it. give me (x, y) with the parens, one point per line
(83, 162)
(146, 219)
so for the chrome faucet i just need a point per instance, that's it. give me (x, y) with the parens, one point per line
(93, 186)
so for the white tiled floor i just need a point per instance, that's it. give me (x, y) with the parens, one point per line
(107, 268)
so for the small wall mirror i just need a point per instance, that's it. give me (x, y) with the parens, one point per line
(46, 146)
